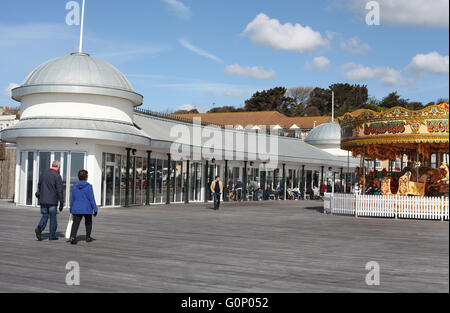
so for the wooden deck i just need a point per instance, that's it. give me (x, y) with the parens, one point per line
(274, 246)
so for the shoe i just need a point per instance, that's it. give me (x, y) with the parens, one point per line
(73, 241)
(90, 239)
(38, 232)
(53, 238)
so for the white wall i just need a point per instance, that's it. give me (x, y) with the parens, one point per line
(76, 105)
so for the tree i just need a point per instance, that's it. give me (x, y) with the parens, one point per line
(393, 100)
(320, 99)
(312, 111)
(301, 95)
(224, 109)
(414, 106)
(193, 111)
(274, 99)
(347, 98)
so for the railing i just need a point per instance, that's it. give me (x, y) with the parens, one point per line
(426, 208)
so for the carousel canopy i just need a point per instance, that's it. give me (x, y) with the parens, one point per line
(386, 135)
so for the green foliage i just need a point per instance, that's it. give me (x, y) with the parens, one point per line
(274, 99)
(394, 100)
(224, 109)
(310, 101)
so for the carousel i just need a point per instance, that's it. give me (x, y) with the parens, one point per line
(418, 140)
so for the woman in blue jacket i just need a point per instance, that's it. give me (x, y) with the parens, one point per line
(82, 204)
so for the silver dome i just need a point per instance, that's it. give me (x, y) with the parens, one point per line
(78, 73)
(325, 134)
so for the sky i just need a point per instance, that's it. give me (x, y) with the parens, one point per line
(183, 54)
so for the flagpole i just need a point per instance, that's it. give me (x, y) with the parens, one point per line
(332, 106)
(82, 28)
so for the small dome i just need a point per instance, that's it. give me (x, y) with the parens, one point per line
(79, 73)
(325, 134)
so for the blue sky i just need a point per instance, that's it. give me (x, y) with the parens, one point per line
(205, 53)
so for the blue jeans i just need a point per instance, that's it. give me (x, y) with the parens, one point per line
(49, 211)
(216, 200)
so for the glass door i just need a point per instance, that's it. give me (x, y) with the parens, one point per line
(27, 181)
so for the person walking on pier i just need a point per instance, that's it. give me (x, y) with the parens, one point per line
(82, 204)
(50, 192)
(217, 189)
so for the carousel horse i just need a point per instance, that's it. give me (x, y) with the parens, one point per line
(444, 181)
(407, 187)
(403, 184)
(386, 186)
(445, 173)
(433, 185)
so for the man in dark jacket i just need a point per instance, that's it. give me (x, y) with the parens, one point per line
(50, 193)
(238, 187)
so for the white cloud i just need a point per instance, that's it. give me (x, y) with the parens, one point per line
(249, 71)
(7, 91)
(318, 64)
(185, 107)
(179, 8)
(285, 37)
(185, 43)
(355, 45)
(421, 13)
(388, 76)
(432, 62)
(235, 93)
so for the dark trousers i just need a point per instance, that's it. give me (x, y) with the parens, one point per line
(76, 223)
(239, 194)
(216, 201)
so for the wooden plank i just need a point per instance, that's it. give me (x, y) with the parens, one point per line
(273, 246)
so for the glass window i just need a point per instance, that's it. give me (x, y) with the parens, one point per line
(117, 182)
(159, 181)
(179, 181)
(109, 185)
(30, 181)
(44, 162)
(76, 164)
(144, 180)
(165, 179)
(138, 181)
(152, 181)
(123, 177)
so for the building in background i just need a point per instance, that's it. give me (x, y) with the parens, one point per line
(84, 112)
(7, 121)
(273, 121)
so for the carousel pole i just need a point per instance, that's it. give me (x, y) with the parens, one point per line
(347, 179)
(364, 171)
(417, 172)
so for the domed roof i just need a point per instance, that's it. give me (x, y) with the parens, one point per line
(325, 134)
(78, 73)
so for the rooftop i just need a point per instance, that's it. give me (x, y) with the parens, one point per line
(266, 118)
(77, 73)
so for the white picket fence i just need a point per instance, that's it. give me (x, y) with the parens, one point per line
(427, 208)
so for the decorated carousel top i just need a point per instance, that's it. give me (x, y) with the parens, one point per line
(385, 135)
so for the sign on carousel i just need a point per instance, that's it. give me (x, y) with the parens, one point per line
(395, 126)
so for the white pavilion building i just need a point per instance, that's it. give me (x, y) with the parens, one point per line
(84, 112)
